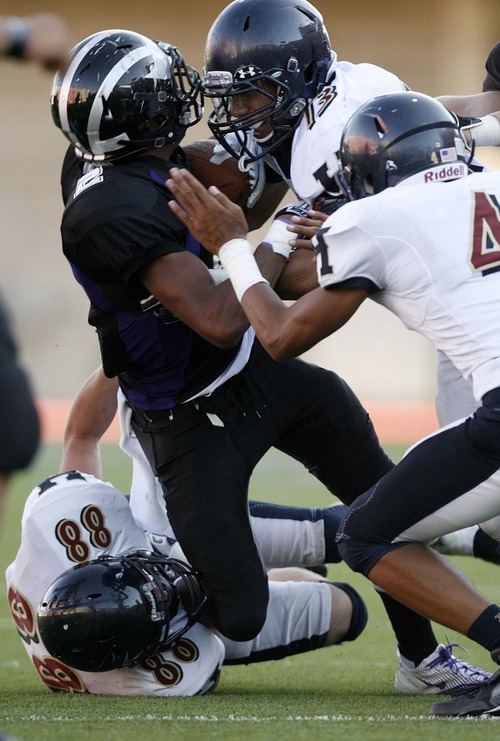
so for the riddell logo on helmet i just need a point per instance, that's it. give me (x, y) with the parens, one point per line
(447, 172)
(148, 593)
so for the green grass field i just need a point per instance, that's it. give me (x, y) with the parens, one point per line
(340, 692)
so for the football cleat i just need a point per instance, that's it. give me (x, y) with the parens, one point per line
(481, 699)
(470, 541)
(458, 543)
(438, 674)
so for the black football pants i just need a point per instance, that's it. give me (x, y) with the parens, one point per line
(446, 482)
(204, 463)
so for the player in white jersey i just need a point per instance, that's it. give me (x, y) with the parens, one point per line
(282, 98)
(73, 517)
(428, 250)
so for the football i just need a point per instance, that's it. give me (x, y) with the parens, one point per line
(224, 172)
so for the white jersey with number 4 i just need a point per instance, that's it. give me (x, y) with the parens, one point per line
(430, 253)
(72, 518)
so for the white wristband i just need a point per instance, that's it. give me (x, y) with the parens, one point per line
(239, 263)
(487, 133)
(278, 237)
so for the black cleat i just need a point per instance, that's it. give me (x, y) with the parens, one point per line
(483, 699)
(486, 547)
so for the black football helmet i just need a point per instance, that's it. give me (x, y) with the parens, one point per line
(398, 135)
(254, 42)
(115, 612)
(124, 93)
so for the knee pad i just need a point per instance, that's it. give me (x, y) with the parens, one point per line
(362, 557)
(359, 616)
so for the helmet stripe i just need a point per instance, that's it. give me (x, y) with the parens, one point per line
(106, 88)
(68, 79)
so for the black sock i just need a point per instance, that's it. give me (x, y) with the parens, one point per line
(485, 630)
(414, 634)
(486, 547)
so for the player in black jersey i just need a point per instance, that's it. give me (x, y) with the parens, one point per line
(207, 401)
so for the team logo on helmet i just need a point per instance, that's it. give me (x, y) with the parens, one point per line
(246, 73)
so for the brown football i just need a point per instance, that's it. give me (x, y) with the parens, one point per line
(225, 175)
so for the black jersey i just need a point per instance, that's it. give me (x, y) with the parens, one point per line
(492, 79)
(116, 221)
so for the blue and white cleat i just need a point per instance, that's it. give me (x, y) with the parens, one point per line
(438, 674)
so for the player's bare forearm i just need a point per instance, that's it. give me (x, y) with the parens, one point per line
(91, 413)
(479, 104)
(286, 332)
(181, 282)
(299, 276)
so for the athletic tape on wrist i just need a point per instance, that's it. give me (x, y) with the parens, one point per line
(277, 238)
(487, 133)
(237, 259)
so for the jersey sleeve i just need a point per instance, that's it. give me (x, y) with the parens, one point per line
(347, 254)
(116, 222)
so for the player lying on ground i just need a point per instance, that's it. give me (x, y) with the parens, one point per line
(73, 518)
(428, 250)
